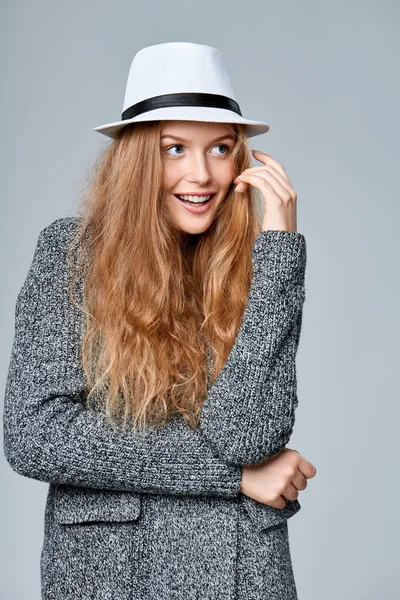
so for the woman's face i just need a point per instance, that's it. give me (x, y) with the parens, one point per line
(197, 161)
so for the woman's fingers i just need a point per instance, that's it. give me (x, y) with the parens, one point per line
(269, 186)
(269, 160)
(290, 492)
(281, 185)
(306, 468)
(284, 181)
(279, 196)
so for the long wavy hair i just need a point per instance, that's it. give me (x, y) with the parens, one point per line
(162, 307)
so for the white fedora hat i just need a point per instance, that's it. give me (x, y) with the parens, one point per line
(180, 81)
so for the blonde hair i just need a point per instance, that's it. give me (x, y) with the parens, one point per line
(157, 300)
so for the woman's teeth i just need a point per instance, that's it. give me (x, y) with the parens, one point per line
(195, 199)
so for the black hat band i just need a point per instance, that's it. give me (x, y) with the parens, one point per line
(181, 99)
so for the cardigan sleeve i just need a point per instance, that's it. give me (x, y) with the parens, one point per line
(49, 435)
(249, 413)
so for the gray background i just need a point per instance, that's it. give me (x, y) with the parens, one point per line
(325, 77)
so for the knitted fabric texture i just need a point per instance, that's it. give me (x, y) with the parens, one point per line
(157, 515)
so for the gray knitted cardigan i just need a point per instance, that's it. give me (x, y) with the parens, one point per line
(157, 516)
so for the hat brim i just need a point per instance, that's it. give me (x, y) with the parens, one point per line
(187, 113)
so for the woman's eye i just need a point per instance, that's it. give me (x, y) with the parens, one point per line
(176, 146)
(225, 146)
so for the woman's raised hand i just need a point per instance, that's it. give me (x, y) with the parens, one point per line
(280, 199)
(278, 479)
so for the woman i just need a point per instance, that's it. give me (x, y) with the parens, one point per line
(152, 380)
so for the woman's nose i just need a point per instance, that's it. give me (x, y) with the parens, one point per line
(199, 169)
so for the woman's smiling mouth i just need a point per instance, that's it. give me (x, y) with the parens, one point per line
(196, 204)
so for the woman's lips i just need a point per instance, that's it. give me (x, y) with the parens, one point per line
(196, 209)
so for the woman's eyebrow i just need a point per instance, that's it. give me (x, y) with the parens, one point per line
(221, 137)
